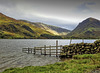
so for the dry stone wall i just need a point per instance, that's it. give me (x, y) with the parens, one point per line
(81, 48)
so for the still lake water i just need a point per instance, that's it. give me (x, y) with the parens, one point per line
(11, 52)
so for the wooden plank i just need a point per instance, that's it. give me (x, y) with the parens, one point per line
(52, 54)
(47, 47)
(27, 48)
(37, 49)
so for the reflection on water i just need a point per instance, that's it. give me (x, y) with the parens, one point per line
(11, 52)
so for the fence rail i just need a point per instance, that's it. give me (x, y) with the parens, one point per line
(46, 50)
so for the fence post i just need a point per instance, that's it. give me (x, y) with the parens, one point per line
(34, 50)
(56, 48)
(50, 50)
(41, 51)
(31, 50)
(28, 50)
(44, 49)
(70, 41)
(82, 40)
(61, 48)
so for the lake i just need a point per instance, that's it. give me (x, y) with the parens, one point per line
(11, 52)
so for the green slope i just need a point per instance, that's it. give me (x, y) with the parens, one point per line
(11, 28)
(89, 28)
(50, 28)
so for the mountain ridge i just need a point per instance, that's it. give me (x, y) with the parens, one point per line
(11, 28)
(89, 28)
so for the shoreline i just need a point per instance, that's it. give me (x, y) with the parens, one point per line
(83, 63)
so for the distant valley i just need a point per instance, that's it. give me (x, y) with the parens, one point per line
(52, 29)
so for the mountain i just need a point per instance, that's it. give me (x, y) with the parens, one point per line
(52, 29)
(89, 28)
(11, 28)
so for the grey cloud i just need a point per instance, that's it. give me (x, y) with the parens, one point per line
(83, 7)
(64, 13)
(91, 3)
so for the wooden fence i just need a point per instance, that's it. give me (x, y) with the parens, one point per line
(46, 50)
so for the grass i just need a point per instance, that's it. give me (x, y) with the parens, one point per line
(78, 64)
(84, 56)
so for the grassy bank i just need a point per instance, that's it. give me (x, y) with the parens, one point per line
(78, 64)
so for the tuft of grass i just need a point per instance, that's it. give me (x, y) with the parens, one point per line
(84, 56)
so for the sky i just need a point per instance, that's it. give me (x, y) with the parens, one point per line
(63, 13)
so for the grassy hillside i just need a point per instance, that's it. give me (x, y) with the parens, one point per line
(89, 28)
(11, 28)
(79, 64)
(52, 29)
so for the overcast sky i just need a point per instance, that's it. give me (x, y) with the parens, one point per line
(64, 13)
